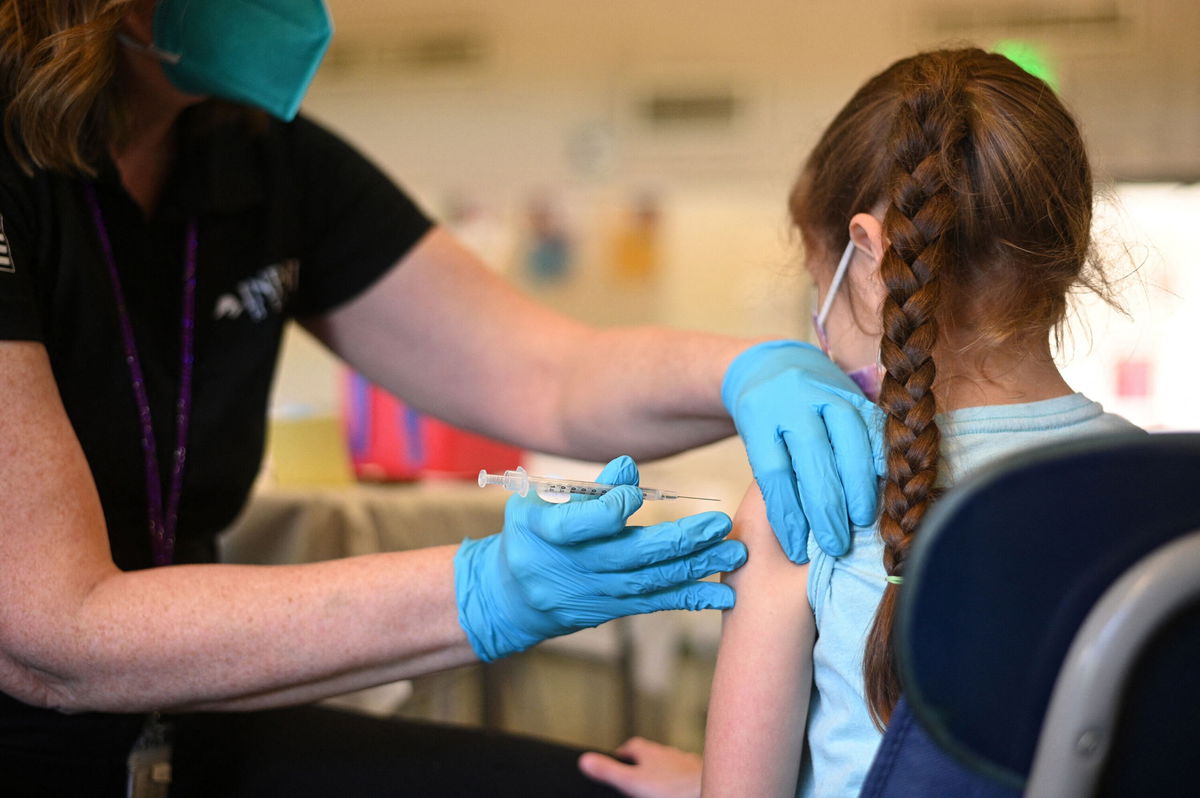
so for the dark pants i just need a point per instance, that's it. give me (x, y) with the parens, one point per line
(308, 752)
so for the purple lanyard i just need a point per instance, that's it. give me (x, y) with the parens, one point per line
(162, 525)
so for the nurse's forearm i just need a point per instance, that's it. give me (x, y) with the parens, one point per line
(226, 636)
(313, 691)
(78, 634)
(455, 340)
(646, 391)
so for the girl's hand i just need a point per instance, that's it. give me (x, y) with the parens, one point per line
(657, 771)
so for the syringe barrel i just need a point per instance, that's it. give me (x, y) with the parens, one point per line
(554, 489)
(574, 487)
(559, 487)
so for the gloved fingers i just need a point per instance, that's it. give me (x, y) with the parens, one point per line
(873, 418)
(855, 460)
(772, 467)
(638, 546)
(724, 556)
(620, 471)
(579, 521)
(785, 516)
(694, 596)
(818, 482)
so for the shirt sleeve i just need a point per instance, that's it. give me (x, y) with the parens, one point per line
(358, 223)
(19, 316)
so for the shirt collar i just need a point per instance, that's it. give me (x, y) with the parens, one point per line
(220, 168)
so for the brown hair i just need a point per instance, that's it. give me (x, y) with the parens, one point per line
(58, 61)
(988, 197)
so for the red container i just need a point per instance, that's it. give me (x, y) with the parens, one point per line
(390, 441)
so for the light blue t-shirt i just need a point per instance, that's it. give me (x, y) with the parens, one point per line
(840, 740)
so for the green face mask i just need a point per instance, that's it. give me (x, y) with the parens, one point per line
(260, 52)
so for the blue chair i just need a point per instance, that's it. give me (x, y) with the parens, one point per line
(1048, 632)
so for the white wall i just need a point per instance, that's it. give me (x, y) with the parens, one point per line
(1147, 234)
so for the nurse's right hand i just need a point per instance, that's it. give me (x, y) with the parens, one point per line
(557, 568)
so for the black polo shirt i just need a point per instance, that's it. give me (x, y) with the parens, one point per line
(292, 222)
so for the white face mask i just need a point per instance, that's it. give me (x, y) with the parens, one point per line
(869, 379)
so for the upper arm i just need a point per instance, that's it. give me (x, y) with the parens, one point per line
(53, 543)
(443, 331)
(763, 676)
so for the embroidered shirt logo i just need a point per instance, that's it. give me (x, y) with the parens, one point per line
(261, 295)
(6, 261)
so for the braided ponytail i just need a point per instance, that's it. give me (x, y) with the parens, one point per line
(920, 225)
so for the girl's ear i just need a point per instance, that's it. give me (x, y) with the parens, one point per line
(866, 231)
(867, 234)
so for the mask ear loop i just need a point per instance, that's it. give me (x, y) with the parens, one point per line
(838, 275)
(148, 49)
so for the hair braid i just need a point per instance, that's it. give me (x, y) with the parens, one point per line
(920, 224)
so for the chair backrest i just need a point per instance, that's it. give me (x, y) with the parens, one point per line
(1109, 654)
(1006, 569)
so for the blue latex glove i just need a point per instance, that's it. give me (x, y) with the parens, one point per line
(813, 440)
(556, 568)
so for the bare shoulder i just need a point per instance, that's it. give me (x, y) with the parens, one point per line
(766, 557)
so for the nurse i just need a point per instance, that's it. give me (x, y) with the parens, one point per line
(163, 212)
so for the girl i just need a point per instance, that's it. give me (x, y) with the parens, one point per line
(955, 188)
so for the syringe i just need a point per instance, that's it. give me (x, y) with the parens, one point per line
(553, 488)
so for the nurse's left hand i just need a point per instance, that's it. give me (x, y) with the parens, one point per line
(557, 568)
(813, 441)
